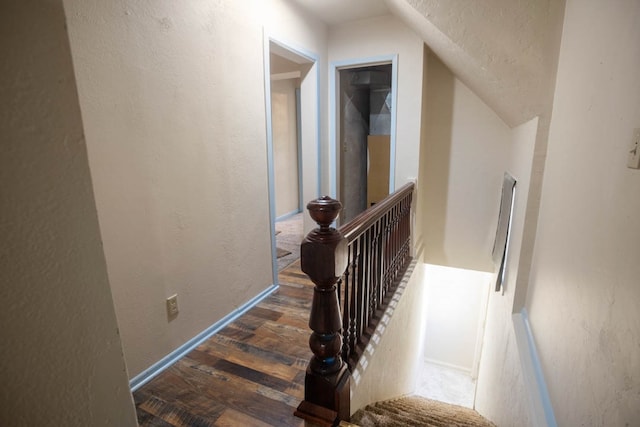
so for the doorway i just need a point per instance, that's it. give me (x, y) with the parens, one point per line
(364, 135)
(285, 125)
(291, 104)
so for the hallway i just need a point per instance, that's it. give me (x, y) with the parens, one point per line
(251, 373)
(288, 238)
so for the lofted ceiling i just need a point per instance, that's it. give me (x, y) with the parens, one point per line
(504, 50)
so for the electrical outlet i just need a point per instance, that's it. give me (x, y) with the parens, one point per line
(172, 306)
(633, 159)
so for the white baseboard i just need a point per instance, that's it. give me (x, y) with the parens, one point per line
(155, 369)
(540, 402)
(462, 369)
(288, 215)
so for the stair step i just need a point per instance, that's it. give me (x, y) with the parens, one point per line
(418, 411)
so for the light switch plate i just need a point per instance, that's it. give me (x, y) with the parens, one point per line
(633, 159)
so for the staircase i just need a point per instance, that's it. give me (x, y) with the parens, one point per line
(417, 411)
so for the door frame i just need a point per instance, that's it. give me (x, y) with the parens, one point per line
(304, 128)
(334, 114)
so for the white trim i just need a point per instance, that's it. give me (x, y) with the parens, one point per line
(290, 51)
(288, 215)
(298, 93)
(155, 369)
(463, 369)
(270, 165)
(286, 76)
(541, 409)
(318, 132)
(394, 117)
(333, 130)
(333, 114)
(300, 56)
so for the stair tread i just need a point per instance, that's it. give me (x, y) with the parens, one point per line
(417, 411)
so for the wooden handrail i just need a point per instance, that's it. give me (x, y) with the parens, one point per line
(356, 270)
(378, 246)
(366, 218)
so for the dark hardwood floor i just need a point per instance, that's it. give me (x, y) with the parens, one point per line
(251, 373)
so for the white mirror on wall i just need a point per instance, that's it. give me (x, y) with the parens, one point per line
(501, 244)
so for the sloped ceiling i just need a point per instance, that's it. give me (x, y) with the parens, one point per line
(504, 50)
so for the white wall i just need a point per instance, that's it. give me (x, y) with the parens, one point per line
(464, 152)
(584, 293)
(381, 374)
(287, 23)
(285, 145)
(387, 35)
(504, 50)
(173, 101)
(455, 303)
(62, 361)
(500, 373)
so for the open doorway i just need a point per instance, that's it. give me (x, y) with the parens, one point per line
(364, 134)
(290, 82)
(285, 125)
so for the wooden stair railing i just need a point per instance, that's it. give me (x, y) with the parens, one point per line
(379, 252)
(356, 270)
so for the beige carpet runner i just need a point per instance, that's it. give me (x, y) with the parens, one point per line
(417, 411)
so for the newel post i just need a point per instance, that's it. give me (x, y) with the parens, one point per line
(323, 257)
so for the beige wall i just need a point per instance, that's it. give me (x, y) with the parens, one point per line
(173, 101)
(455, 304)
(504, 50)
(584, 293)
(381, 374)
(466, 148)
(500, 372)
(386, 36)
(285, 22)
(285, 145)
(464, 153)
(62, 362)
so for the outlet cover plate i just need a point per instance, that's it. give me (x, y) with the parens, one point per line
(172, 306)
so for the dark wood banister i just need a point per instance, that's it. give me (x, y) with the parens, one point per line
(355, 270)
(365, 219)
(378, 242)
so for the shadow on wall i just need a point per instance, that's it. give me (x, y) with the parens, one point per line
(436, 145)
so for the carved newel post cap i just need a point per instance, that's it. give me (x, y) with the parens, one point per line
(323, 253)
(324, 210)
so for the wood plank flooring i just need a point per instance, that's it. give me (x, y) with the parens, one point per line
(251, 373)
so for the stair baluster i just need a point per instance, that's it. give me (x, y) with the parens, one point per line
(367, 258)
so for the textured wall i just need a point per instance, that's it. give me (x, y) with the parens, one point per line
(353, 104)
(385, 36)
(173, 100)
(287, 23)
(504, 50)
(285, 145)
(455, 305)
(584, 293)
(381, 374)
(500, 373)
(61, 360)
(465, 148)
